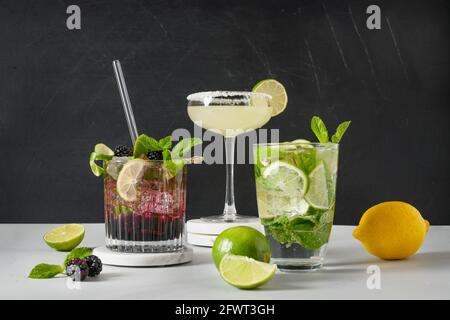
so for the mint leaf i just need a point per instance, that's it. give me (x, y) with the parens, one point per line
(315, 239)
(305, 160)
(166, 155)
(45, 271)
(122, 209)
(144, 144)
(320, 129)
(165, 143)
(340, 131)
(172, 166)
(81, 252)
(184, 146)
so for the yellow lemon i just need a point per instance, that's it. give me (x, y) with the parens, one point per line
(392, 230)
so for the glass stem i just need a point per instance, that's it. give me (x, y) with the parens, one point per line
(229, 211)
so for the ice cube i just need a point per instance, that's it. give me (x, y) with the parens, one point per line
(115, 165)
(153, 201)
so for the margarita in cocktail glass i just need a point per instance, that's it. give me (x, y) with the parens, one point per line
(229, 113)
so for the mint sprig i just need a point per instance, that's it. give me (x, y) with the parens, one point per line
(311, 230)
(145, 144)
(320, 130)
(47, 271)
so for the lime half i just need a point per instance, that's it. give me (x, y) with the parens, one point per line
(65, 238)
(317, 195)
(283, 176)
(244, 272)
(277, 91)
(129, 177)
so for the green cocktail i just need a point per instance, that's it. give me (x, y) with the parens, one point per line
(296, 193)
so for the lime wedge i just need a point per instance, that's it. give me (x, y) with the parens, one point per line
(317, 195)
(277, 91)
(129, 177)
(102, 149)
(283, 176)
(244, 272)
(65, 238)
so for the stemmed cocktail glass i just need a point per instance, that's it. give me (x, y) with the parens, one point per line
(229, 113)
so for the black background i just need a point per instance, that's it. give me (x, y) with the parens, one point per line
(58, 96)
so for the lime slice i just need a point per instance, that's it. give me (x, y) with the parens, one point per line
(101, 152)
(317, 195)
(65, 238)
(129, 177)
(104, 150)
(283, 176)
(244, 272)
(301, 141)
(277, 91)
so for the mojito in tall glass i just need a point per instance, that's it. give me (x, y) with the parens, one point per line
(296, 194)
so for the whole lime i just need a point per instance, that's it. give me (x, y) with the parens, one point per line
(241, 241)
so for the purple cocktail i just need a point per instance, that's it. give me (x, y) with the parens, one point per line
(154, 221)
(144, 193)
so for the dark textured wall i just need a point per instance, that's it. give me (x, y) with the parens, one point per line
(58, 96)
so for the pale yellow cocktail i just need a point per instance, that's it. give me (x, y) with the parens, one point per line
(230, 121)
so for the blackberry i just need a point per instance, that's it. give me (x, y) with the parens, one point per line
(95, 265)
(123, 151)
(77, 269)
(155, 155)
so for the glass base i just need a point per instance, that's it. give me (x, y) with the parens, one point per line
(167, 246)
(295, 258)
(228, 219)
(298, 265)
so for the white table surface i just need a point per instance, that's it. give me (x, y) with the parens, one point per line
(424, 276)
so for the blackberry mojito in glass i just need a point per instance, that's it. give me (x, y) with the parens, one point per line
(296, 195)
(144, 194)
